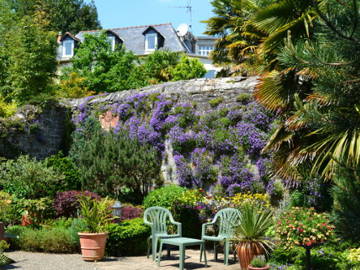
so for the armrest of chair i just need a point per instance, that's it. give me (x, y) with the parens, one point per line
(179, 227)
(203, 228)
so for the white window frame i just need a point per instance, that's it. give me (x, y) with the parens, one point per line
(72, 48)
(205, 50)
(147, 36)
(112, 41)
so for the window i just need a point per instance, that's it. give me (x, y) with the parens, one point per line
(151, 42)
(112, 42)
(68, 48)
(205, 50)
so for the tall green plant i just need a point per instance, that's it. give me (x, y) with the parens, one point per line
(254, 224)
(97, 214)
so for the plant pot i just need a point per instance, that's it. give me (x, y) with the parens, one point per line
(246, 251)
(92, 245)
(26, 220)
(267, 267)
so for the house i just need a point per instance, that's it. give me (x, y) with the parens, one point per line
(143, 40)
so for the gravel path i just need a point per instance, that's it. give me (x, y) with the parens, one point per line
(43, 261)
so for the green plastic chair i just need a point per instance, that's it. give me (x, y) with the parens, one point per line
(227, 219)
(158, 218)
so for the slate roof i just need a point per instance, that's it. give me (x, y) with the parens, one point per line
(134, 40)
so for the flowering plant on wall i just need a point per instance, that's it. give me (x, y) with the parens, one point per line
(219, 147)
(304, 227)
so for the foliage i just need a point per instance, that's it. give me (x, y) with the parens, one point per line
(67, 203)
(112, 163)
(80, 15)
(254, 223)
(73, 86)
(127, 238)
(187, 68)
(258, 262)
(27, 55)
(164, 197)
(29, 179)
(354, 256)
(222, 146)
(346, 208)
(7, 109)
(216, 102)
(5, 206)
(97, 214)
(241, 199)
(38, 209)
(304, 227)
(131, 212)
(103, 69)
(65, 165)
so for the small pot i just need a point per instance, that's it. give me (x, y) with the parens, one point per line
(26, 220)
(267, 267)
(92, 245)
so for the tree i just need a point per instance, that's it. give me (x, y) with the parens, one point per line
(187, 68)
(63, 15)
(28, 52)
(115, 164)
(105, 70)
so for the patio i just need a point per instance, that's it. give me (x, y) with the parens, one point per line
(44, 261)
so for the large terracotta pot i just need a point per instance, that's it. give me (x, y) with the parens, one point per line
(92, 245)
(259, 268)
(246, 251)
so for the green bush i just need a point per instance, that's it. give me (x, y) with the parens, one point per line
(59, 236)
(29, 179)
(128, 238)
(164, 197)
(216, 102)
(66, 166)
(243, 98)
(114, 164)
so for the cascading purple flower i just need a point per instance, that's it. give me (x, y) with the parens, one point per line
(160, 113)
(251, 137)
(184, 174)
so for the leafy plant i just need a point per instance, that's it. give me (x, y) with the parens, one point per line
(164, 197)
(97, 214)
(29, 179)
(216, 102)
(258, 261)
(254, 223)
(127, 238)
(67, 203)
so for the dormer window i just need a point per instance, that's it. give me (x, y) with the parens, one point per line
(151, 42)
(112, 42)
(153, 39)
(68, 48)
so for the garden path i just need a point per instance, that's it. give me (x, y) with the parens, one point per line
(43, 261)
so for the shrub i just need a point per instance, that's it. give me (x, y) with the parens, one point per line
(304, 227)
(29, 179)
(65, 165)
(55, 240)
(164, 197)
(243, 98)
(131, 212)
(128, 238)
(216, 102)
(187, 68)
(67, 203)
(5, 207)
(38, 210)
(115, 164)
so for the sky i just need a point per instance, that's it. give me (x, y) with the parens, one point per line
(123, 13)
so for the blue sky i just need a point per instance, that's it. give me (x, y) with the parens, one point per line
(122, 13)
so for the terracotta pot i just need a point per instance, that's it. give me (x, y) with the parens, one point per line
(246, 251)
(259, 268)
(92, 245)
(26, 220)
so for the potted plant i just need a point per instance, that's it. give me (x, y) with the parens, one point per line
(258, 263)
(250, 234)
(97, 215)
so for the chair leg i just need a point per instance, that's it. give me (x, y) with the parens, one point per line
(159, 254)
(226, 252)
(148, 248)
(202, 250)
(215, 252)
(154, 247)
